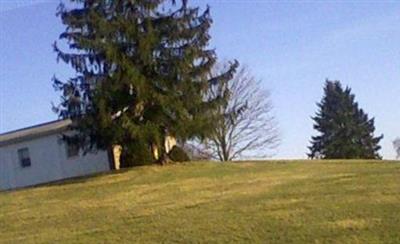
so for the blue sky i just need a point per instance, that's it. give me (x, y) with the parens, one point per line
(291, 46)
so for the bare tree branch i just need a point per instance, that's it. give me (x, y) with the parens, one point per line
(396, 145)
(246, 128)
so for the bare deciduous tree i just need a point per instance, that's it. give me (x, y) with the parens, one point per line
(246, 128)
(396, 145)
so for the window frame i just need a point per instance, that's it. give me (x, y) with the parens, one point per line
(68, 150)
(24, 157)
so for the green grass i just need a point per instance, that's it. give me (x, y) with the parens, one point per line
(271, 202)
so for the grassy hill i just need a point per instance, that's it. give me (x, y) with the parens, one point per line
(309, 202)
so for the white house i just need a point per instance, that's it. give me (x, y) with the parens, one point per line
(37, 155)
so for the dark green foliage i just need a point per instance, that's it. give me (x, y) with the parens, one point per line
(140, 154)
(345, 130)
(142, 72)
(177, 154)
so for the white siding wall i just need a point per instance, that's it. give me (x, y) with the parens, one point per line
(49, 162)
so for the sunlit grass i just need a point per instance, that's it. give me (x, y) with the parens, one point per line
(275, 201)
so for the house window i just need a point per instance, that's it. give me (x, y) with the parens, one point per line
(72, 149)
(24, 159)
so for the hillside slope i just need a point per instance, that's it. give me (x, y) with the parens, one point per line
(349, 201)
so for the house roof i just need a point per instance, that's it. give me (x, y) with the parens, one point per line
(33, 132)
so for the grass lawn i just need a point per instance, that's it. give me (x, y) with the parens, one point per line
(271, 202)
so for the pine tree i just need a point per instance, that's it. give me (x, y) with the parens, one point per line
(345, 131)
(142, 72)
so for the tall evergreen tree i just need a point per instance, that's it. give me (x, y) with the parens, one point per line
(345, 129)
(142, 72)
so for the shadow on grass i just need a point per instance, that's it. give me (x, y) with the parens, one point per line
(70, 180)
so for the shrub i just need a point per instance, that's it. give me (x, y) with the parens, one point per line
(177, 154)
(141, 155)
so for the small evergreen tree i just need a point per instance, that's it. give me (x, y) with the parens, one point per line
(141, 74)
(345, 130)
